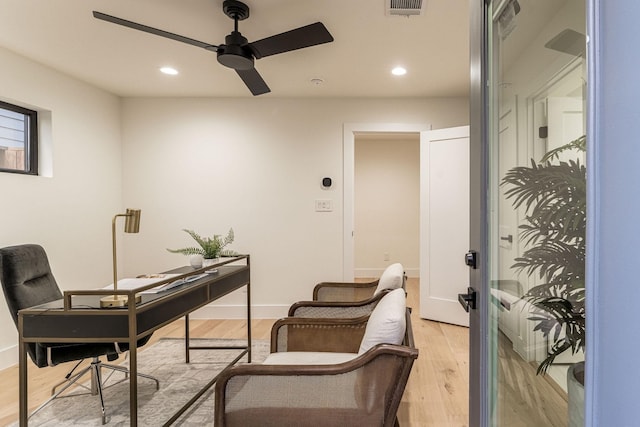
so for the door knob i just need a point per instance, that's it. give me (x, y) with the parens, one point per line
(471, 259)
(468, 300)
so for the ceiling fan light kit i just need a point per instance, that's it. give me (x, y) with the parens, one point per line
(237, 53)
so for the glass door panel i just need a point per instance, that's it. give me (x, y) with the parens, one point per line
(537, 73)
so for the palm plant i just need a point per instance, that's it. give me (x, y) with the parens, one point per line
(208, 247)
(554, 197)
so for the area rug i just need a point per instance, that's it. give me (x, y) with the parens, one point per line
(178, 383)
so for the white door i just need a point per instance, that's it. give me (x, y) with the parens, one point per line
(444, 223)
(566, 122)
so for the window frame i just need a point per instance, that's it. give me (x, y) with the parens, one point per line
(31, 144)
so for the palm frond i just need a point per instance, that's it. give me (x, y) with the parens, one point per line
(549, 258)
(553, 196)
(558, 320)
(579, 144)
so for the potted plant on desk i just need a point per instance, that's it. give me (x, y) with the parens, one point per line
(209, 249)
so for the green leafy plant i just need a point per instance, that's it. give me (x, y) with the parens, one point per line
(209, 247)
(554, 197)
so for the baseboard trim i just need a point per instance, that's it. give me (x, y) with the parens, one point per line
(9, 356)
(377, 272)
(239, 311)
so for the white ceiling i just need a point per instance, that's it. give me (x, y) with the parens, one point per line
(64, 35)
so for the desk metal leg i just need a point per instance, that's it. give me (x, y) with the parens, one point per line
(22, 372)
(133, 365)
(249, 322)
(133, 384)
(186, 337)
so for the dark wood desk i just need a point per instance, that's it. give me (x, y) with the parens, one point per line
(79, 318)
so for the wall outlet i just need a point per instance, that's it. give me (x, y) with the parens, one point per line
(385, 257)
(324, 206)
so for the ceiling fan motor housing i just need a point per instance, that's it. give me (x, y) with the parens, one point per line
(235, 53)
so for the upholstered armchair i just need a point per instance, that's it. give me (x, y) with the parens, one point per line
(349, 299)
(324, 372)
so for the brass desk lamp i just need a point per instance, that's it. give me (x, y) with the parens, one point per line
(131, 225)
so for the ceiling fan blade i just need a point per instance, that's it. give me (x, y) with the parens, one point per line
(155, 31)
(254, 81)
(299, 38)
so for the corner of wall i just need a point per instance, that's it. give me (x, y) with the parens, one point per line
(8, 356)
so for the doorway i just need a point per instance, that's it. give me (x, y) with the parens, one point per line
(438, 214)
(386, 202)
(350, 131)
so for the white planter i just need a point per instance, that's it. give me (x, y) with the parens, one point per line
(196, 261)
(575, 390)
(207, 262)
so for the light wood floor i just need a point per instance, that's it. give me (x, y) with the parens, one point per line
(436, 394)
(522, 392)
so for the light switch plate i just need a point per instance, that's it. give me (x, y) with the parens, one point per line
(324, 205)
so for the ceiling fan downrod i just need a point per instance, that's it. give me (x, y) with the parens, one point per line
(235, 53)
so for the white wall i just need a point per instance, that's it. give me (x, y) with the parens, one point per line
(387, 202)
(68, 213)
(208, 164)
(254, 165)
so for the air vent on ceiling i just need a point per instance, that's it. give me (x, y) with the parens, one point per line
(404, 7)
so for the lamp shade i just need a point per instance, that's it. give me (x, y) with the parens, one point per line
(132, 221)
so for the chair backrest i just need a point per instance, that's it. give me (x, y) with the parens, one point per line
(383, 379)
(26, 278)
(387, 322)
(392, 278)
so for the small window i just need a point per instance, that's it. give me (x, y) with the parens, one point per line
(18, 139)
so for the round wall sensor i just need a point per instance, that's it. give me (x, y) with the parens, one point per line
(326, 182)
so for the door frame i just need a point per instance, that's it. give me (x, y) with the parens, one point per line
(479, 381)
(348, 176)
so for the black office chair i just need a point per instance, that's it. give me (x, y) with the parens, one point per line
(27, 281)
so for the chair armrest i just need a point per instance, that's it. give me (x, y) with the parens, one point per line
(344, 291)
(313, 334)
(364, 391)
(408, 331)
(330, 309)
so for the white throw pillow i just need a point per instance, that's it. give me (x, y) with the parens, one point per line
(387, 322)
(391, 278)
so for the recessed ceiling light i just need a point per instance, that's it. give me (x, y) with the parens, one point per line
(169, 70)
(399, 71)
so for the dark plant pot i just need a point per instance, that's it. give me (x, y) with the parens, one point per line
(575, 390)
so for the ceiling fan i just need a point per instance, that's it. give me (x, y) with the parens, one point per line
(237, 52)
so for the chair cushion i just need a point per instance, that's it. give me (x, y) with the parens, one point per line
(387, 322)
(308, 358)
(391, 278)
